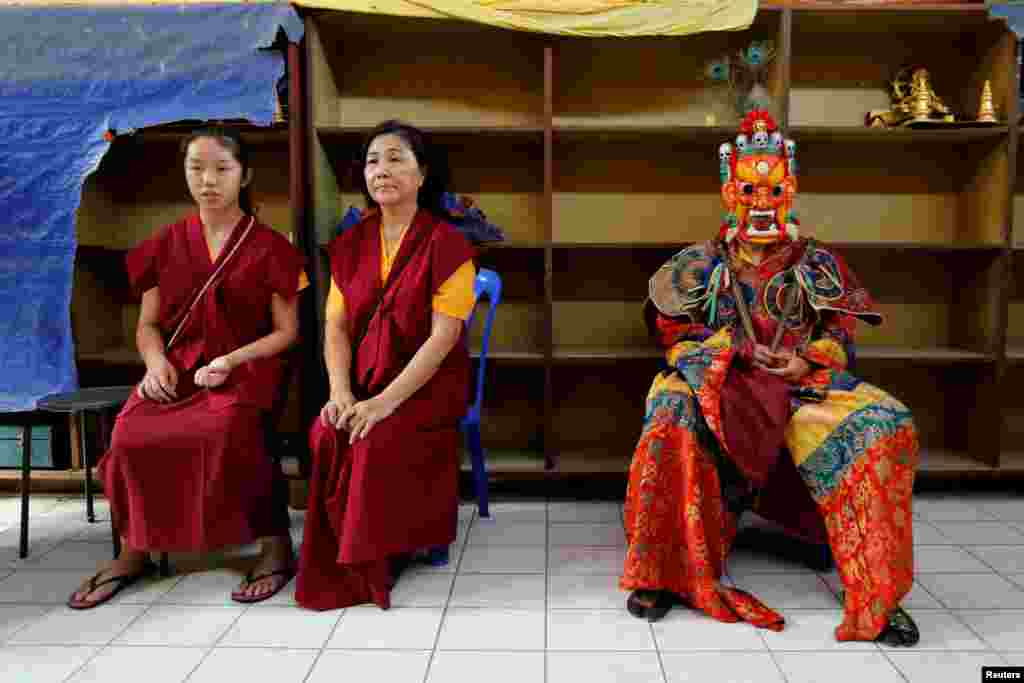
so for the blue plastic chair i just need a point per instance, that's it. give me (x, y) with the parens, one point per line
(487, 283)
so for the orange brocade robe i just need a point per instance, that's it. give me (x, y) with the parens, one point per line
(195, 474)
(854, 446)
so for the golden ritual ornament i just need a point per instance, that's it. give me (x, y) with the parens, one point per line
(916, 105)
(987, 110)
(914, 102)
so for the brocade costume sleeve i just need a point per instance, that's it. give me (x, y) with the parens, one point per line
(838, 300)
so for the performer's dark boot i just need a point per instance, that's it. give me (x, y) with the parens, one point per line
(648, 604)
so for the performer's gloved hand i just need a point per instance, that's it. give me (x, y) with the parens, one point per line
(789, 366)
(764, 358)
(756, 355)
(160, 383)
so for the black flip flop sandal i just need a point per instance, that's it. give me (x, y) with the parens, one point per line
(122, 581)
(901, 630)
(240, 596)
(636, 604)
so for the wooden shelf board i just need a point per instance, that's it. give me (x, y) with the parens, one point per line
(921, 246)
(342, 132)
(936, 355)
(509, 356)
(864, 134)
(1015, 354)
(508, 460)
(597, 131)
(122, 356)
(131, 357)
(592, 460)
(620, 245)
(930, 355)
(512, 244)
(866, 245)
(814, 6)
(1012, 462)
(932, 460)
(604, 354)
(580, 461)
(936, 460)
(55, 482)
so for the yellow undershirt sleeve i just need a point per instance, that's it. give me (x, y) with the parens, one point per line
(455, 297)
(335, 302)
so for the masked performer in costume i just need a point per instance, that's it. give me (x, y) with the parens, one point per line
(751, 416)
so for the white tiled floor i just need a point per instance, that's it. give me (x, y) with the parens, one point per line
(529, 597)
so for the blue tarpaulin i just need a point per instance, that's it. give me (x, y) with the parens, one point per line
(1013, 12)
(69, 74)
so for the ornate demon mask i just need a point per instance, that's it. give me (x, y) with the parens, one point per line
(758, 183)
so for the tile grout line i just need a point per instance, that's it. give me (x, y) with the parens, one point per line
(899, 671)
(657, 652)
(103, 648)
(213, 646)
(547, 579)
(967, 549)
(451, 591)
(6, 640)
(771, 654)
(323, 648)
(975, 633)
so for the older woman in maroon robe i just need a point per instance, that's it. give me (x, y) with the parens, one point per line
(385, 465)
(188, 468)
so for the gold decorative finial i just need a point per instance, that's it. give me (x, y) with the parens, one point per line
(922, 97)
(914, 102)
(987, 110)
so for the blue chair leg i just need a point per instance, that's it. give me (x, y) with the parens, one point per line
(438, 556)
(476, 452)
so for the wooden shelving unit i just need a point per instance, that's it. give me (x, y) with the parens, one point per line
(599, 158)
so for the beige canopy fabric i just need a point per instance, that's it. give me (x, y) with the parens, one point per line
(563, 17)
(592, 18)
(128, 3)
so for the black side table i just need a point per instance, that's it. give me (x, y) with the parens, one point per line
(75, 403)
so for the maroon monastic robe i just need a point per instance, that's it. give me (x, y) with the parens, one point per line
(194, 474)
(396, 490)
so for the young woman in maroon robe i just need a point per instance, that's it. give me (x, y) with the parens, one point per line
(188, 469)
(385, 467)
